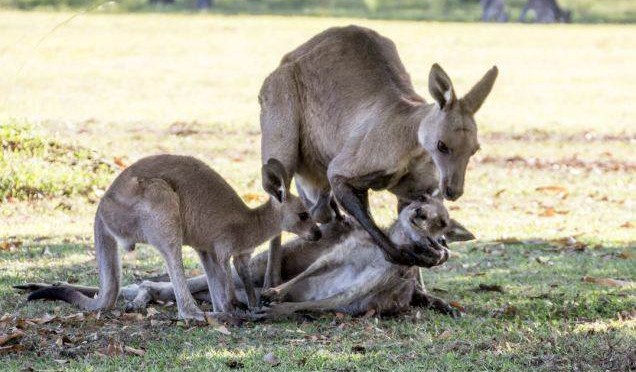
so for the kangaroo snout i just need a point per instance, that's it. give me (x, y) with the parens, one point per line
(451, 193)
(315, 234)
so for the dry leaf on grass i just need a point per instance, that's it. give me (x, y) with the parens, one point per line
(491, 287)
(12, 245)
(14, 335)
(11, 349)
(120, 162)
(132, 350)
(445, 334)
(132, 316)
(552, 189)
(627, 225)
(626, 255)
(457, 306)
(607, 282)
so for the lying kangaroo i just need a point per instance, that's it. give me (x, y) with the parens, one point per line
(356, 283)
(168, 201)
(341, 115)
(334, 254)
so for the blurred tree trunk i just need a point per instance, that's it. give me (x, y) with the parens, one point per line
(493, 11)
(546, 11)
(205, 4)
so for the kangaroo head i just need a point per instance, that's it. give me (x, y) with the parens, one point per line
(424, 219)
(294, 216)
(449, 132)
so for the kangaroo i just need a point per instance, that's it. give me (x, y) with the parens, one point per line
(170, 200)
(356, 283)
(298, 255)
(341, 115)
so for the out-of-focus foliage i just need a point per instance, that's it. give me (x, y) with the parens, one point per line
(587, 11)
(34, 167)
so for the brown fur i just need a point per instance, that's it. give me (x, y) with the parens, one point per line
(169, 201)
(341, 114)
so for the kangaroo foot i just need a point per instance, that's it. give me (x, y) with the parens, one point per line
(423, 299)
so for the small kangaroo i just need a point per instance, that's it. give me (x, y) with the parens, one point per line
(341, 115)
(168, 201)
(299, 255)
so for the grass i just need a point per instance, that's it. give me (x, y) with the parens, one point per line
(114, 88)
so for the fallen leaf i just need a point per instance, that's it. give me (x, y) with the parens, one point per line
(627, 225)
(445, 334)
(552, 188)
(626, 255)
(457, 306)
(43, 320)
(548, 212)
(340, 316)
(16, 334)
(120, 162)
(491, 287)
(132, 316)
(113, 349)
(132, 350)
(607, 282)
(506, 310)
(11, 349)
(369, 314)
(271, 359)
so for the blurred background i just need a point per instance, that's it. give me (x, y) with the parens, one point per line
(584, 11)
(87, 88)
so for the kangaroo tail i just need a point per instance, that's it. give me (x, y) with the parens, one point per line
(109, 267)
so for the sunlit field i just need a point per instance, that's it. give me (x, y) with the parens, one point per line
(551, 195)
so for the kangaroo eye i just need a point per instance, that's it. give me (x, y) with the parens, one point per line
(441, 147)
(304, 216)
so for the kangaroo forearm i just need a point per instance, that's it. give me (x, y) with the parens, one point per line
(354, 201)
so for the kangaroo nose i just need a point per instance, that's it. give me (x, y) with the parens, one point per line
(451, 193)
(316, 234)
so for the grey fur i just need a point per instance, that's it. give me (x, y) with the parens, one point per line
(169, 201)
(344, 250)
(340, 113)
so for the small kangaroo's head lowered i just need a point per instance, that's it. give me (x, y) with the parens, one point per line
(294, 216)
(449, 132)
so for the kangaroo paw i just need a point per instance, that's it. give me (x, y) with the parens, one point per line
(272, 295)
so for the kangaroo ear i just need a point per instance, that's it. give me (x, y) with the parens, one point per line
(441, 87)
(275, 180)
(458, 233)
(473, 100)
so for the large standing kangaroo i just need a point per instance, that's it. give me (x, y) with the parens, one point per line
(341, 114)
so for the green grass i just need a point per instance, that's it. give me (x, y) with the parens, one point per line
(103, 88)
(32, 167)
